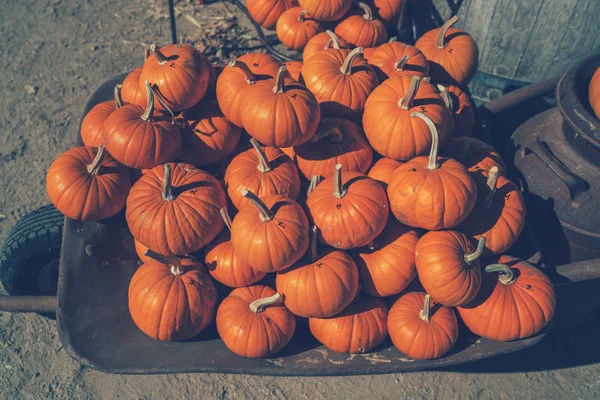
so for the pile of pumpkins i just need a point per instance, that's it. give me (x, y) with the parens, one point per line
(251, 171)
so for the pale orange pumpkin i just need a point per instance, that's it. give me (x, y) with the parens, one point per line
(295, 27)
(362, 30)
(326, 10)
(266, 12)
(382, 171)
(398, 59)
(131, 91)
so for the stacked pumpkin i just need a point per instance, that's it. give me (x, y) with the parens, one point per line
(289, 188)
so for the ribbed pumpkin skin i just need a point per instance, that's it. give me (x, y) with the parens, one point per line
(513, 312)
(457, 63)
(391, 130)
(362, 32)
(169, 307)
(474, 154)
(141, 144)
(387, 10)
(339, 94)
(294, 33)
(225, 267)
(462, 109)
(382, 171)
(357, 329)
(82, 196)
(140, 250)
(231, 83)
(419, 339)
(266, 12)
(294, 70)
(242, 173)
(319, 43)
(131, 91)
(355, 219)
(274, 245)
(388, 267)
(92, 126)
(320, 156)
(326, 10)
(250, 334)
(431, 199)
(387, 55)
(321, 288)
(594, 93)
(442, 269)
(208, 137)
(179, 226)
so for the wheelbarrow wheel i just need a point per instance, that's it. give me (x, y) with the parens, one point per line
(30, 256)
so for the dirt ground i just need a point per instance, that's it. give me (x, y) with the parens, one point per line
(53, 55)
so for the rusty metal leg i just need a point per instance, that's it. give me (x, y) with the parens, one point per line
(28, 304)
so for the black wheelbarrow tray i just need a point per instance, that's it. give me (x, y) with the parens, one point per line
(97, 262)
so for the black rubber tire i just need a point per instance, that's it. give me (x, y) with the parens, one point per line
(29, 258)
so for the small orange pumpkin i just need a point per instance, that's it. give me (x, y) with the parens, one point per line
(594, 93)
(362, 30)
(422, 330)
(323, 41)
(92, 126)
(430, 192)
(266, 12)
(326, 10)
(382, 171)
(478, 156)
(398, 59)
(131, 91)
(295, 27)
(459, 103)
(294, 70)
(358, 329)
(387, 10)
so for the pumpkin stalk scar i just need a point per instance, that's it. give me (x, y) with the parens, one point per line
(279, 80)
(441, 38)
(172, 261)
(406, 102)
(424, 314)
(226, 218)
(470, 258)
(492, 182)
(94, 167)
(117, 96)
(167, 193)
(399, 65)
(433, 154)
(258, 306)
(446, 97)
(160, 57)
(249, 77)
(263, 163)
(506, 276)
(265, 214)
(346, 67)
(338, 188)
(333, 41)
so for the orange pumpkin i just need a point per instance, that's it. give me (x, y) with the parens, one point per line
(266, 12)
(515, 304)
(295, 28)
(387, 264)
(326, 10)
(350, 211)
(174, 209)
(222, 262)
(139, 138)
(362, 30)
(459, 103)
(448, 267)
(594, 93)
(87, 184)
(171, 299)
(422, 330)
(323, 41)
(237, 76)
(387, 10)
(499, 216)
(294, 70)
(358, 329)
(263, 171)
(452, 53)
(131, 91)
(382, 171)
(478, 156)
(398, 59)
(180, 71)
(320, 286)
(337, 141)
(280, 112)
(254, 323)
(270, 235)
(388, 122)
(92, 126)
(430, 192)
(341, 80)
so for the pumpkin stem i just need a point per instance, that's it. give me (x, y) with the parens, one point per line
(94, 167)
(265, 214)
(406, 102)
(334, 132)
(492, 181)
(172, 261)
(393, 39)
(446, 97)
(346, 67)
(433, 153)
(441, 39)
(156, 93)
(426, 79)
(148, 114)
(259, 305)
(249, 76)
(506, 276)
(424, 314)
(263, 163)
(314, 181)
(338, 188)
(333, 41)
(167, 193)
(314, 255)
(226, 218)
(368, 15)
(399, 65)
(279, 80)
(302, 15)
(162, 59)
(117, 94)
(471, 258)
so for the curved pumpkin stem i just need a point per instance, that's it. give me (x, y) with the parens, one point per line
(334, 132)
(263, 162)
(424, 314)
(314, 181)
(249, 77)
(302, 15)
(162, 101)
(441, 38)
(172, 261)
(346, 67)
(162, 59)
(259, 305)
(492, 181)
(333, 41)
(265, 214)
(393, 39)
(167, 193)
(471, 258)
(399, 65)
(314, 255)
(226, 218)
(406, 102)
(446, 97)
(368, 15)
(94, 167)
(117, 95)
(506, 276)
(435, 137)
(338, 188)
(149, 113)
(279, 80)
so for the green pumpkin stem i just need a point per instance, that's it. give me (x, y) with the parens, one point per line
(346, 67)
(265, 214)
(333, 41)
(446, 97)
(314, 181)
(249, 76)
(492, 182)
(441, 38)
(280, 80)
(399, 65)
(406, 102)
(368, 15)
(226, 218)
(94, 167)
(160, 57)
(424, 314)
(117, 95)
(313, 254)
(433, 153)
(338, 187)
(258, 306)
(172, 261)
(263, 162)
(506, 276)
(167, 193)
(471, 258)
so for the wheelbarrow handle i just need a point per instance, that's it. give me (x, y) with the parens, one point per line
(520, 96)
(28, 304)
